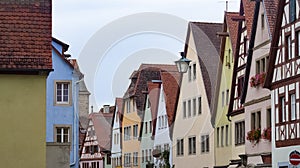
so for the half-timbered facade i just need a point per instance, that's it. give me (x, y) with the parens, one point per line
(283, 79)
(96, 152)
(257, 100)
(236, 109)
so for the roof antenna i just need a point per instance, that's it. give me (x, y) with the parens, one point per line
(226, 6)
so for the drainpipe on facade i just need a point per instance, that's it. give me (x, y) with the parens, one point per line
(75, 117)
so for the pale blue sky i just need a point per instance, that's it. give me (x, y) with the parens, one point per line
(111, 38)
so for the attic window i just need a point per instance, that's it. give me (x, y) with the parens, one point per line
(262, 21)
(292, 10)
(106, 108)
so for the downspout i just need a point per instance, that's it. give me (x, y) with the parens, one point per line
(75, 118)
(250, 51)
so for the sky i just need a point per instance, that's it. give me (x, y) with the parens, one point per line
(111, 38)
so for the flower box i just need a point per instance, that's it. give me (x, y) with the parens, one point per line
(267, 134)
(254, 136)
(257, 79)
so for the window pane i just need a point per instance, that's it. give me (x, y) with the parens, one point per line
(189, 108)
(184, 109)
(199, 105)
(194, 71)
(194, 107)
(293, 107)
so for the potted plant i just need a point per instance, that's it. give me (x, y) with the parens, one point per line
(254, 136)
(267, 134)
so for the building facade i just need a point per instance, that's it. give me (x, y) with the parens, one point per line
(222, 126)
(62, 123)
(116, 151)
(193, 134)
(25, 62)
(283, 81)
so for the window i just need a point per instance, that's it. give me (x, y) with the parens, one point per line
(133, 105)
(261, 65)
(269, 118)
(108, 159)
(262, 21)
(162, 122)
(239, 133)
(222, 136)
(146, 127)
(199, 105)
(127, 133)
(288, 47)
(115, 138)
(135, 158)
(166, 121)
(298, 43)
(189, 108)
(292, 10)
(135, 131)
(127, 159)
(227, 96)
(150, 126)
(240, 85)
(142, 156)
(148, 104)
(192, 145)
(128, 105)
(204, 143)
(218, 136)
(194, 107)
(194, 71)
(62, 134)
(223, 97)
(184, 109)
(166, 147)
(62, 92)
(227, 135)
(146, 155)
(281, 109)
(159, 122)
(190, 73)
(293, 106)
(256, 120)
(150, 155)
(179, 147)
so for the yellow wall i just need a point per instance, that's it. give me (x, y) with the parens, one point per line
(23, 121)
(132, 145)
(223, 154)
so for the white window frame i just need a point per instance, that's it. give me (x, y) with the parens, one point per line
(63, 83)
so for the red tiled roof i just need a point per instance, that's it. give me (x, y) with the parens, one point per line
(102, 124)
(271, 7)
(154, 92)
(25, 35)
(145, 73)
(248, 7)
(171, 82)
(232, 28)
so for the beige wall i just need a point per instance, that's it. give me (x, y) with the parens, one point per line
(195, 125)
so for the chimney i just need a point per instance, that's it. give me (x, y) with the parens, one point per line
(105, 108)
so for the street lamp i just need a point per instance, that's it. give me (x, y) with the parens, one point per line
(183, 63)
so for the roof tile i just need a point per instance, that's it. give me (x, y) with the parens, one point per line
(25, 35)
